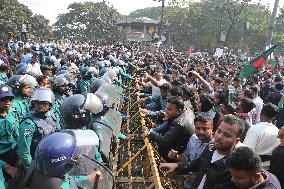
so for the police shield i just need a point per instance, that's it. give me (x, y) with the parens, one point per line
(106, 180)
(87, 143)
(105, 133)
(114, 120)
(109, 95)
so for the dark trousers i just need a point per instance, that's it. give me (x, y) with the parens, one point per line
(11, 158)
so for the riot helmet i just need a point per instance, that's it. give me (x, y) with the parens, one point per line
(59, 152)
(76, 110)
(103, 71)
(60, 84)
(28, 70)
(96, 84)
(17, 82)
(43, 95)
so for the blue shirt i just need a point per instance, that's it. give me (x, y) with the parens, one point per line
(27, 58)
(194, 148)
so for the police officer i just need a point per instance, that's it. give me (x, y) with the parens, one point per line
(36, 125)
(60, 152)
(9, 129)
(88, 75)
(76, 113)
(60, 87)
(22, 86)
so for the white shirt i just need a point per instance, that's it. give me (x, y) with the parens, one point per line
(257, 110)
(34, 69)
(57, 63)
(262, 137)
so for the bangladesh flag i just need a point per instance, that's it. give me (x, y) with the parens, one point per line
(256, 63)
(153, 50)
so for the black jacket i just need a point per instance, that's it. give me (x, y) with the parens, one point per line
(217, 173)
(174, 135)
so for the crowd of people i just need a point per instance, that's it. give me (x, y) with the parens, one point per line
(213, 128)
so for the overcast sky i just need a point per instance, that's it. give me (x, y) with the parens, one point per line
(51, 8)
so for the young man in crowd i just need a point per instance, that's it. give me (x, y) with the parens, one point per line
(262, 137)
(246, 172)
(195, 146)
(174, 134)
(213, 172)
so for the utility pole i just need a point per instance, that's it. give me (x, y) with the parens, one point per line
(162, 18)
(272, 23)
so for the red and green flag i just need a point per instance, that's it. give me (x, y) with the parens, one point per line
(256, 63)
(154, 50)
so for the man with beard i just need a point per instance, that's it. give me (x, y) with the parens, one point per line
(195, 146)
(245, 168)
(213, 172)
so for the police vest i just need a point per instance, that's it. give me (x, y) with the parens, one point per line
(44, 127)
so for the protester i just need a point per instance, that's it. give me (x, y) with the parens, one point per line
(177, 130)
(211, 166)
(262, 137)
(245, 168)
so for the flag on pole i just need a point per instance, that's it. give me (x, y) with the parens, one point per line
(256, 63)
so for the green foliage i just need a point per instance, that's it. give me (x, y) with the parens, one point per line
(40, 27)
(279, 26)
(198, 24)
(13, 14)
(88, 22)
(151, 12)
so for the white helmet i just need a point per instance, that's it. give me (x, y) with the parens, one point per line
(43, 95)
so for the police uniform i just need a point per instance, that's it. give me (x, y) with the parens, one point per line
(32, 129)
(71, 182)
(20, 108)
(9, 132)
(56, 109)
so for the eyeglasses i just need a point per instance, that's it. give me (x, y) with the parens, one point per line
(4, 99)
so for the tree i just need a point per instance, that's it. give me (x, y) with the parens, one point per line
(88, 22)
(278, 35)
(13, 14)
(198, 24)
(40, 27)
(150, 12)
